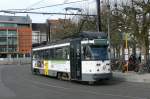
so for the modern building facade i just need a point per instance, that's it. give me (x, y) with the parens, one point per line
(15, 36)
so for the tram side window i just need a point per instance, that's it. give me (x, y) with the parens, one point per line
(46, 54)
(86, 53)
(40, 54)
(35, 55)
(51, 53)
(58, 53)
(65, 53)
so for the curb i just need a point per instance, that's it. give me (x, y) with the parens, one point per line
(131, 77)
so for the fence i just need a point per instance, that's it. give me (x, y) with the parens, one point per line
(7, 61)
(119, 65)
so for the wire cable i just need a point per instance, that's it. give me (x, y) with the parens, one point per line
(65, 3)
(56, 5)
(36, 3)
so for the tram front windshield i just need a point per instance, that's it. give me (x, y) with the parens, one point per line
(99, 53)
(96, 53)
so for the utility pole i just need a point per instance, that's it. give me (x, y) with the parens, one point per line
(108, 22)
(48, 39)
(98, 15)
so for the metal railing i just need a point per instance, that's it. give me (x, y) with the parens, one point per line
(137, 67)
(8, 61)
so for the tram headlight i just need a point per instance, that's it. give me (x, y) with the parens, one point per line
(98, 64)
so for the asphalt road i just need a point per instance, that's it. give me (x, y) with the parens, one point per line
(17, 82)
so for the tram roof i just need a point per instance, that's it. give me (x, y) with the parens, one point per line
(93, 35)
(85, 37)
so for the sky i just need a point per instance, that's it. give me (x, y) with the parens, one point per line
(24, 4)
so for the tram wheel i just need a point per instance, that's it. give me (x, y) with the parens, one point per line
(35, 71)
(59, 76)
(90, 82)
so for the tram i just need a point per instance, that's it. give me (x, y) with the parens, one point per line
(81, 59)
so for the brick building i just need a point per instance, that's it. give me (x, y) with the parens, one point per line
(15, 36)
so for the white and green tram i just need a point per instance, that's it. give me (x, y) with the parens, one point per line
(78, 59)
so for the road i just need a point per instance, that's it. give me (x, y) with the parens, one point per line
(17, 82)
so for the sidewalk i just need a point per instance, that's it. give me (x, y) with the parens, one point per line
(131, 77)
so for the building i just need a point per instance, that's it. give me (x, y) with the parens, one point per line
(50, 31)
(39, 33)
(15, 36)
(57, 28)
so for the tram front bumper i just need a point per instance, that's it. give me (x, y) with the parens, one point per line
(96, 77)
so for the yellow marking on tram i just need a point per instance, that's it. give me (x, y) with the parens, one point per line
(45, 67)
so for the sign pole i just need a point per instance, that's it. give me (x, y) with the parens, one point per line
(126, 50)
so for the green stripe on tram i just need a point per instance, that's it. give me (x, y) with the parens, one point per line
(58, 61)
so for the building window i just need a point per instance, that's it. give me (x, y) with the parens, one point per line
(8, 25)
(3, 41)
(3, 33)
(12, 33)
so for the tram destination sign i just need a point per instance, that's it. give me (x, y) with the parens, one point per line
(101, 42)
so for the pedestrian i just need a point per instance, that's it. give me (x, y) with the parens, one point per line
(139, 59)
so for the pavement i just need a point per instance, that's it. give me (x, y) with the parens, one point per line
(131, 76)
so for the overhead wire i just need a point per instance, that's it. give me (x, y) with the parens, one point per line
(26, 9)
(55, 5)
(36, 3)
(65, 3)
(44, 13)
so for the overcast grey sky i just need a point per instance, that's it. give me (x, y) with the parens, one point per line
(23, 4)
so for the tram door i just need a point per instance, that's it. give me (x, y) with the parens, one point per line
(75, 59)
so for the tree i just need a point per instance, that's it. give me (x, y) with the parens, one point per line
(133, 19)
(140, 23)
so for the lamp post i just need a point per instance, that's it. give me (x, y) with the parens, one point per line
(48, 39)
